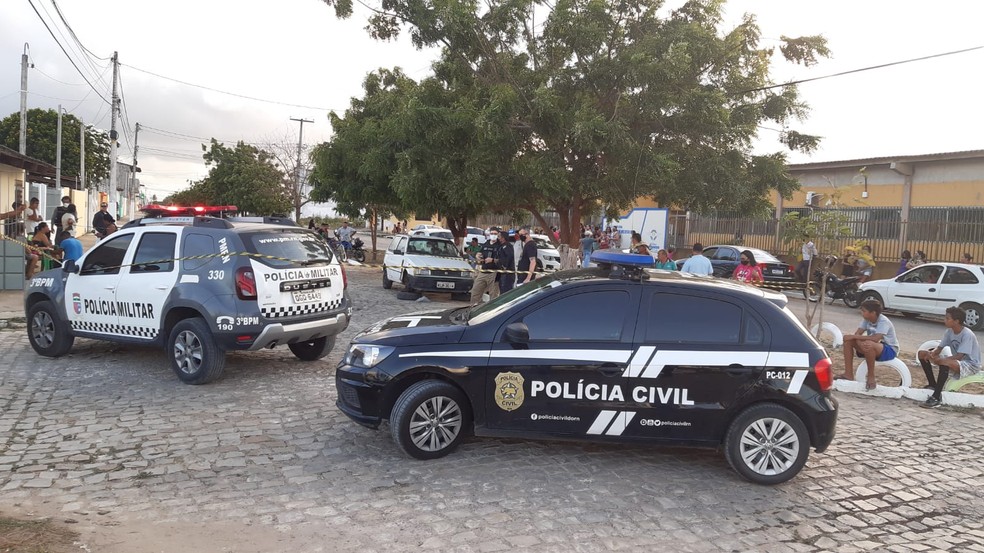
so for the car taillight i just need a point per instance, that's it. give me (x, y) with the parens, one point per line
(344, 277)
(245, 284)
(825, 377)
(791, 268)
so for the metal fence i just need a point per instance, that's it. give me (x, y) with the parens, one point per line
(942, 233)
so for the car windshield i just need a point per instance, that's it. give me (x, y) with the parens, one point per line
(522, 293)
(435, 247)
(542, 244)
(287, 248)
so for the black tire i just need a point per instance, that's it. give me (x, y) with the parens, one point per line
(865, 296)
(975, 315)
(359, 255)
(404, 295)
(440, 414)
(406, 283)
(314, 349)
(752, 444)
(387, 283)
(852, 298)
(193, 353)
(48, 334)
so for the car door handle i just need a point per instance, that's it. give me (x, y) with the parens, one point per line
(611, 369)
(932, 289)
(111, 288)
(161, 287)
(737, 369)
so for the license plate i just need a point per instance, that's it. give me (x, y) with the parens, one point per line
(777, 271)
(306, 296)
(448, 285)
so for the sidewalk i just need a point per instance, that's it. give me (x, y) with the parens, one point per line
(12, 301)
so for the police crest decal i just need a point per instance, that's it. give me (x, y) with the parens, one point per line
(509, 391)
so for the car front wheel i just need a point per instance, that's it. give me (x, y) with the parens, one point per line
(767, 444)
(975, 315)
(195, 357)
(430, 419)
(314, 349)
(48, 334)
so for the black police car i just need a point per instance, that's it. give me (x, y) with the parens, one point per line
(613, 353)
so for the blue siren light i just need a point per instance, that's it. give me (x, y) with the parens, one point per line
(623, 259)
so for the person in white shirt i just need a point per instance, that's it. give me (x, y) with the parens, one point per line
(809, 251)
(697, 264)
(32, 216)
(69, 220)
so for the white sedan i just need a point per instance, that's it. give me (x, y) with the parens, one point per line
(932, 287)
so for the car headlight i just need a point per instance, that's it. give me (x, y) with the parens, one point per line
(421, 272)
(367, 355)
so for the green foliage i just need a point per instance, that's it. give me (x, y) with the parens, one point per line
(42, 140)
(595, 106)
(824, 227)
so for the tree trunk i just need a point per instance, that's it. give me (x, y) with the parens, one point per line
(458, 227)
(375, 221)
(542, 222)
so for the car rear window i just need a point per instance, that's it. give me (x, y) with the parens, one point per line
(287, 248)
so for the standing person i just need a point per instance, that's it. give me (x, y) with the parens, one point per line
(486, 282)
(967, 258)
(505, 260)
(587, 246)
(904, 262)
(517, 247)
(102, 221)
(638, 247)
(865, 264)
(32, 216)
(916, 260)
(663, 261)
(670, 252)
(809, 251)
(69, 222)
(311, 224)
(527, 261)
(59, 212)
(345, 233)
(749, 270)
(965, 358)
(697, 264)
(71, 247)
(874, 340)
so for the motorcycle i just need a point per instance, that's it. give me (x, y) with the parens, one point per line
(357, 252)
(845, 288)
(336, 246)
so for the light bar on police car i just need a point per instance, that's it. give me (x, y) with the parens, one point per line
(624, 259)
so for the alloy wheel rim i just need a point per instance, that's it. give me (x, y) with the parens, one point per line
(43, 329)
(769, 446)
(435, 424)
(972, 317)
(188, 352)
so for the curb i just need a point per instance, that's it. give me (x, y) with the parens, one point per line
(953, 399)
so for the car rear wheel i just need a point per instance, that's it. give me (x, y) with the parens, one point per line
(313, 349)
(195, 357)
(406, 283)
(48, 334)
(852, 298)
(975, 315)
(767, 444)
(865, 296)
(430, 419)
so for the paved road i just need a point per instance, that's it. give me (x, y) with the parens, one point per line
(108, 436)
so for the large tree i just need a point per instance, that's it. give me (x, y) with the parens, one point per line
(42, 137)
(608, 102)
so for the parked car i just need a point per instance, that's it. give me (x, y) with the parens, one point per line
(725, 258)
(731, 368)
(546, 252)
(426, 264)
(474, 232)
(930, 288)
(425, 226)
(436, 232)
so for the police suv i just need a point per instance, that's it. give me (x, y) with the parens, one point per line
(613, 353)
(199, 286)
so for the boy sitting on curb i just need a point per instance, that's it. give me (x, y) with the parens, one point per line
(874, 340)
(965, 361)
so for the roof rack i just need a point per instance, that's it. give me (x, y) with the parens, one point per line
(630, 266)
(208, 222)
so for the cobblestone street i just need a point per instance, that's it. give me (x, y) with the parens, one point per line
(262, 460)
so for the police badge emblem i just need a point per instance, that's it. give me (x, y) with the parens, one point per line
(509, 391)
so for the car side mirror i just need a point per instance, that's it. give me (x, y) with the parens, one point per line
(517, 333)
(70, 267)
(398, 252)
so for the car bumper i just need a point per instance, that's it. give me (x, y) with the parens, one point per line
(278, 334)
(431, 284)
(824, 422)
(360, 401)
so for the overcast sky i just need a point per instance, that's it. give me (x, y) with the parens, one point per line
(297, 52)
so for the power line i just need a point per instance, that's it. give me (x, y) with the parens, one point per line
(862, 69)
(254, 98)
(173, 134)
(69, 27)
(31, 2)
(33, 66)
(78, 45)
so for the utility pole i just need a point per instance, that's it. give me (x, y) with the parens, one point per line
(133, 172)
(58, 151)
(297, 170)
(23, 99)
(113, 135)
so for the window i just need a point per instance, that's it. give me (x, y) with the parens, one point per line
(710, 253)
(754, 334)
(586, 317)
(959, 275)
(106, 258)
(196, 245)
(691, 319)
(726, 254)
(155, 253)
(284, 248)
(927, 274)
(397, 245)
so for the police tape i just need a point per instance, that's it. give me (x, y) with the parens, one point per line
(43, 253)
